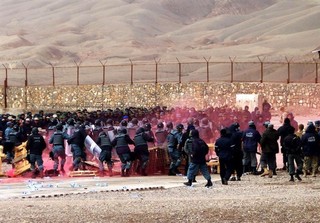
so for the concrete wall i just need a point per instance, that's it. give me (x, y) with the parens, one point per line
(198, 95)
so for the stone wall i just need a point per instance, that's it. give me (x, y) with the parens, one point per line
(198, 95)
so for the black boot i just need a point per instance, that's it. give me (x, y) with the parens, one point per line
(224, 181)
(194, 179)
(127, 172)
(274, 172)
(254, 170)
(209, 184)
(298, 177)
(189, 183)
(122, 173)
(244, 169)
(171, 172)
(291, 178)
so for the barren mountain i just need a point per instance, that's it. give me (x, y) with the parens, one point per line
(61, 32)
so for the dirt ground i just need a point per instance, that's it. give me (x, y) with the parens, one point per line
(254, 199)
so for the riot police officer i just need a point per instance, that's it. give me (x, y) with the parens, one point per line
(14, 139)
(76, 141)
(35, 146)
(174, 139)
(121, 143)
(57, 140)
(141, 151)
(106, 152)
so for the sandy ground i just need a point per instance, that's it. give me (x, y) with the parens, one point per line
(254, 199)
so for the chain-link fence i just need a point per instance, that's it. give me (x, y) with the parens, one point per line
(180, 72)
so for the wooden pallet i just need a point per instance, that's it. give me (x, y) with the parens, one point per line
(21, 168)
(83, 173)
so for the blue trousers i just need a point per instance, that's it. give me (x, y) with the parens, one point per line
(36, 159)
(194, 168)
(175, 157)
(59, 152)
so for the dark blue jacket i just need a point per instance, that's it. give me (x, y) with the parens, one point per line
(310, 142)
(250, 137)
(284, 131)
(199, 149)
(224, 148)
(236, 136)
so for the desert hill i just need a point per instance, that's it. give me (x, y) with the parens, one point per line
(61, 32)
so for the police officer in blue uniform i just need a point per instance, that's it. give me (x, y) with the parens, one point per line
(57, 140)
(141, 151)
(35, 146)
(106, 152)
(121, 143)
(174, 139)
(76, 141)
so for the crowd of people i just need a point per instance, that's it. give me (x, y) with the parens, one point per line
(238, 136)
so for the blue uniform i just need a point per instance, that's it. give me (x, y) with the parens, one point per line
(57, 139)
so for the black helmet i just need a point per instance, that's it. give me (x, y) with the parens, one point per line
(160, 125)
(124, 122)
(16, 127)
(70, 121)
(140, 130)
(147, 126)
(35, 130)
(97, 122)
(179, 126)
(59, 127)
(123, 130)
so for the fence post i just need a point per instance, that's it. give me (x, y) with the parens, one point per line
(131, 75)
(25, 85)
(289, 73)
(78, 71)
(157, 62)
(317, 72)
(316, 78)
(232, 63)
(53, 74)
(26, 74)
(179, 70)
(103, 71)
(261, 68)
(207, 60)
(5, 86)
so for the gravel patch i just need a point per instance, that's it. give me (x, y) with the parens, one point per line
(254, 199)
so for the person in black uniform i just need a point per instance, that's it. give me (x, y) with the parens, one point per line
(121, 143)
(76, 141)
(57, 139)
(197, 153)
(14, 139)
(106, 152)
(236, 136)
(141, 151)
(35, 146)
(224, 149)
